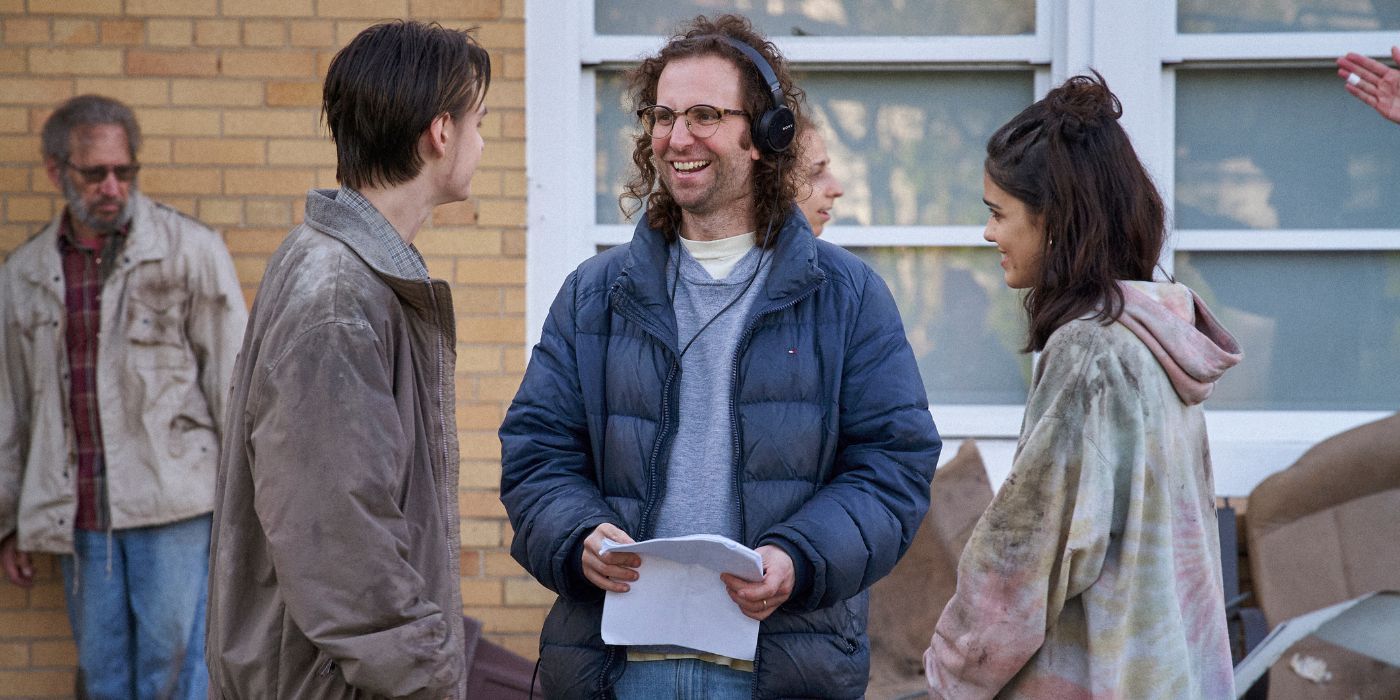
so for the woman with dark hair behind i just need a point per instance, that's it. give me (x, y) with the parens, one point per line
(1095, 572)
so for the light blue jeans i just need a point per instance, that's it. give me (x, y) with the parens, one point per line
(683, 679)
(139, 625)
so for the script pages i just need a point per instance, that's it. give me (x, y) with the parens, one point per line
(678, 598)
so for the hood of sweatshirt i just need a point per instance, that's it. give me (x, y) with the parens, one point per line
(1182, 334)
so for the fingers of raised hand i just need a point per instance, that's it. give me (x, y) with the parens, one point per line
(1366, 74)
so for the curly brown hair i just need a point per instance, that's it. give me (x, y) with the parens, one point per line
(776, 175)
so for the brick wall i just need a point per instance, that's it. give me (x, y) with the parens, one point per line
(227, 92)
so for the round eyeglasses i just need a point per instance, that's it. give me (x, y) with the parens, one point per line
(701, 120)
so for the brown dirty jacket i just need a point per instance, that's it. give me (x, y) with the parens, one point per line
(334, 561)
(172, 317)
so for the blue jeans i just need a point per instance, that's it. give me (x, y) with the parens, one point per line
(683, 679)
(139, 625)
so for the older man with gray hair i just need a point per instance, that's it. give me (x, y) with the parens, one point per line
(119, 324)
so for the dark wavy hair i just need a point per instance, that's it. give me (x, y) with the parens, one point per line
(775, 176)
(1068, 159)
(387, 86)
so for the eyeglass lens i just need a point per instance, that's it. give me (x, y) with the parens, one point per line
(702, 120)
(98, 173)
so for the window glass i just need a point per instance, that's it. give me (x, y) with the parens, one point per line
(825, 17)
(1281, 148)
(617, 129)
(908, 146)
(1210, 16)
(1319, 330)
(965, 326)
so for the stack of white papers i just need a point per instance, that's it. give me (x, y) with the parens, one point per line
(678, 597)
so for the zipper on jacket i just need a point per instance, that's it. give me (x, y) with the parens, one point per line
(442, 425)
(649, 501)
(735, 435)
(653, 463)
(753, 682)
(608, 659)
(738, 447)
(448, 522)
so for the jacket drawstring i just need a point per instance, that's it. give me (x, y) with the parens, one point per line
(77, 569)
(78, 562)
(109, 550)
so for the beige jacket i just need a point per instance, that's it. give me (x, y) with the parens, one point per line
(334, 562)
(175, 310)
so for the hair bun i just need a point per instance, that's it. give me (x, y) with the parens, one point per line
(1081, 104)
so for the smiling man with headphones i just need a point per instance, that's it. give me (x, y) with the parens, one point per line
(723, 373)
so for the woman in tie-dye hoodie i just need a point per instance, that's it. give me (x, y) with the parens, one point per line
(1095, 572)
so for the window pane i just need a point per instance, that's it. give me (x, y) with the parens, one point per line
(1209, 16)
(1320, 331)
(965, 325)
(825, 17)
(907, 146)
(1278, 148)
(617, 128)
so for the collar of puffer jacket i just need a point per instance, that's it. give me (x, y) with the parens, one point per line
(793, 255)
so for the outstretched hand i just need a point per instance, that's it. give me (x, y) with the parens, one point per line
(759, 599)
(613, 570)
(1375, 83)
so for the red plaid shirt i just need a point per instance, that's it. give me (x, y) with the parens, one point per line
(86, 264)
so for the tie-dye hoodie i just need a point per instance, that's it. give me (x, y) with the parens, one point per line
(1095, 572)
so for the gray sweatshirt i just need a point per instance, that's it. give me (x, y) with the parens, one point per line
(700, 496)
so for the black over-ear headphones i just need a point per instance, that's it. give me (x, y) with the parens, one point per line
(773, 130)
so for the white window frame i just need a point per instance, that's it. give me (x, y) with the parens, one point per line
(1137, 51)
(1247, 446)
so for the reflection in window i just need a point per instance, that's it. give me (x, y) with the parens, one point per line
(777, 18)
(965, 326)
(617, 131)
(1271, 148)
(1211, 16)
(908, 146)
(1320, 331)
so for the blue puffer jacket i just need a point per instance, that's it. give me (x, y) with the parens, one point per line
(834, 442)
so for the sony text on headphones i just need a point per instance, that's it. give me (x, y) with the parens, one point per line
(773, 130)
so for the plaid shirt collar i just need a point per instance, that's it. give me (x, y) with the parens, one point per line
(112, 243)
(406, 258)
(68, 237)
